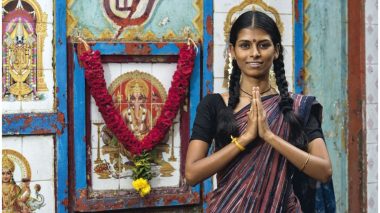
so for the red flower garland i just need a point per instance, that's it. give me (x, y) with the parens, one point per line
(94, 74)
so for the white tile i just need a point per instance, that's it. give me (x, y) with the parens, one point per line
(41, 164)
(103, 181)
(95, 136)
(218, 86)
(45, 104)
(282, 6)
(287, 34)
(142, 67)
(48, 192)
(372, 197)
(290, 83)
(169, 170)
(372, 84)
(163, 72)
(371, 11)
(47, 8)
(12, 142)
(220, 54)
(289, 60)
(10, 107)
(371, 44)
(371, 118)
(219, 21)
(111, 72)
(48, 48)
(372, 136)
(372, 157)
(224, 5)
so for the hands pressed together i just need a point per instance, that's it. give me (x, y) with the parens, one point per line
(257, 125)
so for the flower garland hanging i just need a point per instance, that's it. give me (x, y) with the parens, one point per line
(94, 75)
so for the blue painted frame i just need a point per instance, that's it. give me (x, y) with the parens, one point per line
(80, 149)
(298, 20)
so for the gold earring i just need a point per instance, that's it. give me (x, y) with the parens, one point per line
(272, 79)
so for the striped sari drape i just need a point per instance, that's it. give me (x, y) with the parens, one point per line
(257, 180)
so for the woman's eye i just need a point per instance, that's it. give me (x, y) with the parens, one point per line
(263, 45)
(245, 46)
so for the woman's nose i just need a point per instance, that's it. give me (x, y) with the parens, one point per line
(255, 52)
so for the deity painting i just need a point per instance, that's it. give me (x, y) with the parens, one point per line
(140, 98)
(17, 197)
(22, 71)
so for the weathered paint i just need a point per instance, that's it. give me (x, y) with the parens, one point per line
(357, 159)
(61, 166)
(32, 124)
(208, 48)
(328, 82)
(85, 198)
(298, 46)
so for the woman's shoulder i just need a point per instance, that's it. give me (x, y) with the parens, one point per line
(212, 100)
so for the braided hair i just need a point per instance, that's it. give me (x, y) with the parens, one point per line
(227, 124)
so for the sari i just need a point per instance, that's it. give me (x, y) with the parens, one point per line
(258, 179)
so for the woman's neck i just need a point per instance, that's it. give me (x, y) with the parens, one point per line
(247, 84)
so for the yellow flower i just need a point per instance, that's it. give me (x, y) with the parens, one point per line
(139, 184)
(145, 191)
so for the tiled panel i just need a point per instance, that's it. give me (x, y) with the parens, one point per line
(371, 118)
(47, 7)
(372, 43)
(9, 107)
(46, 103)
(12, 142)
(282, 6)
(219, 19)
(372, 135)
(372, 197)
(111, 72)
(287, 34)
(372, 84)
(42, 164)
(288, 60)
(48, 49)
(371, 11)
(164, 72)
(372, 157)
(219, 60)
(47, 191)
(102, 179)
(142, 67)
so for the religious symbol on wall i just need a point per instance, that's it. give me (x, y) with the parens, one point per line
(22, 52)
(17, 197)
(140, 98)
(128, 13)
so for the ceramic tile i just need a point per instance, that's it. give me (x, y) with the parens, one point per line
(288, 60)
(371, 118)
(218, 86)
(371, 84)
(372, 157)
(41, 164)
(48, 192)
(105, 180)
(372, 136)
(10, 107)
(111, 72)
(219, 20)
(48, 48)
(164, 72)
(46, 98)
(142, 67)
(371, 11)
(47, 8)
(219, 60)
(97, 137)
(282, 6)
(12, 142)
(287, 34)
(371, 43)
(372, 197)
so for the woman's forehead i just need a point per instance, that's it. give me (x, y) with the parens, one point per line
(253, 34)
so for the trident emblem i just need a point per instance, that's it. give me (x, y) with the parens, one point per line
(127, 13)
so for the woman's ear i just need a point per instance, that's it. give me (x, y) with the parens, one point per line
(277, 51)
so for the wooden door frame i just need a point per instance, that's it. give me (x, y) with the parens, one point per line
(356, 146)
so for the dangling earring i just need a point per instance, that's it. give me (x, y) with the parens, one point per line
(227, 70)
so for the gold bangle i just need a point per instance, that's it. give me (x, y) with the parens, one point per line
(236, 142)
(307, 160)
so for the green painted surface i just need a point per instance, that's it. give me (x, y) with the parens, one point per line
(328, 82)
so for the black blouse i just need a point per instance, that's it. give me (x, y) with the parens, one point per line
(205, 123)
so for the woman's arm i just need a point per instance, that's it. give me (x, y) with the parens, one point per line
(318, 166)
(199, 166)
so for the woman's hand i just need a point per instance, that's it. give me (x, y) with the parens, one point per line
(263, 129)
(251, 130)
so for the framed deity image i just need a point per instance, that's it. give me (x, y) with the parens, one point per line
(138, 77)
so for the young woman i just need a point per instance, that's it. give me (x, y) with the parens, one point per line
(262, 138)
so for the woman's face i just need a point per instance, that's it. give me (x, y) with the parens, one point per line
(254, 52)
(7, 175)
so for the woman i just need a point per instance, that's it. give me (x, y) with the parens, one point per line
(257, 131)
